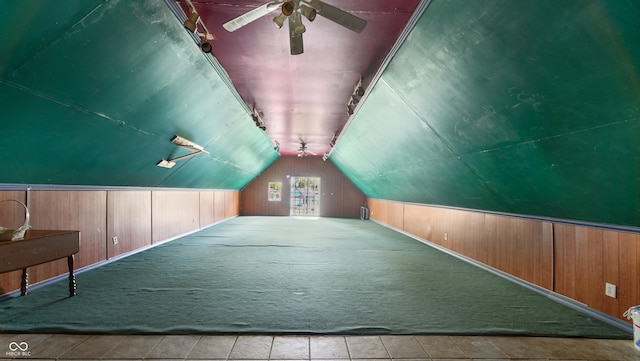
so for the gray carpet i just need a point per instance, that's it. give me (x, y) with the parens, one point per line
(289, 275)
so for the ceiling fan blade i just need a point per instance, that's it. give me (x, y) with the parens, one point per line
(295, 39)
(338, 16)
(250, 16)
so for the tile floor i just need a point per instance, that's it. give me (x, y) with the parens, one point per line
(360, 348)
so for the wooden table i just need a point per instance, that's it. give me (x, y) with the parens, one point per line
(37, 247)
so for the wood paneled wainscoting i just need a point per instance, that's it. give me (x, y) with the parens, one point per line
(573, 261)
(138, 218)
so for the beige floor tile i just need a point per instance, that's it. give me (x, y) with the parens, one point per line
(520, 347)
(176, 347)
(56, 345)
(290, 348)
(366, 347)
(328, 348)
(32, 340)
(575, 349)
(478, 347)
(133, 347)
(212, 348)
(441, 347)
(94, 347)
(622, 350)
(406, 347)
(251, 348)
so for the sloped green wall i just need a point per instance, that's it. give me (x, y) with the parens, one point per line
(91, 92)
(527, 107)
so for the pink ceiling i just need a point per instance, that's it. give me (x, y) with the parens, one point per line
(303, 97)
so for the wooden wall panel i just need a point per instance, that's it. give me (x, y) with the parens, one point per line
(83, 211)
(232, 204)
(92, 223)
(374, 209)
(565, 260)
(587, 258)
(174, 213)
(128, 218)
(573, 261)
(544, 276)
(11, 213)
(100, 215)
(207, 208)
(219, 207)
(629, 276)
(417, 221)
(339, 197)
(12, 217)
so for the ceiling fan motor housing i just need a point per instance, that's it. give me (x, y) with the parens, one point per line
(287, 8)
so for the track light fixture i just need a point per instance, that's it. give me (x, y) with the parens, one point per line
(258, 120)
(184, 143)
(192, 22)
(298, 26)
(357, 94)
(350, 109)
(308, 12)
(279, 20)
(333, 141)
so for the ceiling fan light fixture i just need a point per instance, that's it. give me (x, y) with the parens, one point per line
(298, 26)
(206, 47)
(308, 12)
(192, 23)
(287, 8)
(279, 20)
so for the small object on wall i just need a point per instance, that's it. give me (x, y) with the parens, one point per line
(275, 191)
(16, 234)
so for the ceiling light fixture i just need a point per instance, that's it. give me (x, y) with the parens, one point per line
(279, 20)
(287, 8)
(308, 12)
(298, 26)
(357, 94)
(192, 23)
(294, 10)
(184, 143)
(257, 119)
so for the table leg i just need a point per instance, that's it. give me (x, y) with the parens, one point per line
(72, 277)
(24, 284)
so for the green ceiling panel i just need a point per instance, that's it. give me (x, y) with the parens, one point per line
(510, 106)
(97, 102)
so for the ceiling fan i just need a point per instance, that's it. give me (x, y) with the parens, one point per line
(303, 151)
(293, 11)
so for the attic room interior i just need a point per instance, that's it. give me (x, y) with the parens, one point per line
(362, 180)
